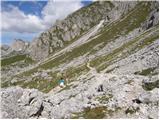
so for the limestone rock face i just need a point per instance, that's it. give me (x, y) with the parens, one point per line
(153, 18)
(19, 45)
(14, 99)
(9, 103)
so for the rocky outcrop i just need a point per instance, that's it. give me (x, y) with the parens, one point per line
(153, 18)
(121, 93)
(17, 47)
(14, 98)
(5, 49)
(9, 104)
(20, 45)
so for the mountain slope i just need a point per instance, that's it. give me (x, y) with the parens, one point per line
(116, 47)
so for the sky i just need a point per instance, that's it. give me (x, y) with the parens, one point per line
(27, 19)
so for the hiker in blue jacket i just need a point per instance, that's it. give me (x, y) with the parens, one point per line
(61, 82)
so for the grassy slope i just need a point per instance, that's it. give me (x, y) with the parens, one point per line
(125, 50)
(16, 58)
(45, 85)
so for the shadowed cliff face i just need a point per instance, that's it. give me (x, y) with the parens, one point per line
(108, 54)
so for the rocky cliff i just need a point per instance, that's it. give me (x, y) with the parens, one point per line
(76, 24)
(19, 45)
(108, 54)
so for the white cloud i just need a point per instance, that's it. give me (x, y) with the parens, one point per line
(16, 21)
(59, 9)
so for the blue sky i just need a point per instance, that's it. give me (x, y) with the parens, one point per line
(28, 7)
(27, 19)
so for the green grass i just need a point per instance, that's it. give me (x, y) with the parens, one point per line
(94, 113)
(38, 83)
(29, 60)
(17, 58)
(4, 84)
(99, 112)
(47, 85)
(75, 72)
(146, 72)
(27, 73)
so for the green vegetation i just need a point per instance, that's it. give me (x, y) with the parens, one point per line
(132, 110)
(4, 84)
(17, 58)
(47, 85)
(40, 84)
(146, 72)
(94, 113)
(29, 60)
(104, 98)
(123, 51)
(27, 73)
(150, 85)
(36, 82)
(75, 72)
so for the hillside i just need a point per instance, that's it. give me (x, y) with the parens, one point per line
(113, 44)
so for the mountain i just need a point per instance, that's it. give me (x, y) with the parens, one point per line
(107, 52)
(5, 49)
(19, 45)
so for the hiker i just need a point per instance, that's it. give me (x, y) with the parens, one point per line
(61, 83)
